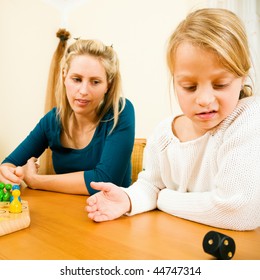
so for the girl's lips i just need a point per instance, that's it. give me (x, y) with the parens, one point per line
(206, 115)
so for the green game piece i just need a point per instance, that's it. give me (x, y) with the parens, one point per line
(7, 194)
(2, 186)
(8, 187)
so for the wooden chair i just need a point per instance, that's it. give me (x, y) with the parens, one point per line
(137, 157)
(46, 166)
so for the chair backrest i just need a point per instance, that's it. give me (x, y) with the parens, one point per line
(137, 157)
(46, 166)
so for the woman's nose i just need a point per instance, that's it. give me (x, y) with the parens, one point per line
(84, 88)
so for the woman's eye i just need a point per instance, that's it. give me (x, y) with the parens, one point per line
(77, 80)
(95, 82)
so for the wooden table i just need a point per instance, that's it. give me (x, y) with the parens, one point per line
(61, 230)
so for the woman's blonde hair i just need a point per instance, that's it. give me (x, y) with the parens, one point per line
(113, 98)
(220, 31)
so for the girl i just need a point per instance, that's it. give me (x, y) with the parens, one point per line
(202, 165)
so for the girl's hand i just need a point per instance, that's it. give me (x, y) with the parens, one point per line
(108, 204)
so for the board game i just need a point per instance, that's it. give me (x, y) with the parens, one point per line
(10, 222)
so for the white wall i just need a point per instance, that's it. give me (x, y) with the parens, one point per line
(138, 30)
(249, 12)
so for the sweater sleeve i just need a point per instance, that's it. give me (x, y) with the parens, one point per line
(115, 159)
(144, 192)
(233, 202)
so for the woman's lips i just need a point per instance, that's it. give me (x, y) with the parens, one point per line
(82, 102)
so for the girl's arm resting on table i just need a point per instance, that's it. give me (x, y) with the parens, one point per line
(234, 200)
(144, 192)
(210, 209)
(143, 196)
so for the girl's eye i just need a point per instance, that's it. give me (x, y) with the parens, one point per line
(190, 88)
(220, 86)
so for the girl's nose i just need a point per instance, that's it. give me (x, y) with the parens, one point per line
(205, 97)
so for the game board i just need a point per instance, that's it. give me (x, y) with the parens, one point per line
(10, 222)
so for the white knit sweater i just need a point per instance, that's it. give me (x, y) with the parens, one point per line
(214, 179)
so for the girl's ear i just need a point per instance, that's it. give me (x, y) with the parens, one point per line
(243, 81)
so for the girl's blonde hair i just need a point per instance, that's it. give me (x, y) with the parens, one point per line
(113, 98)
(220, 31)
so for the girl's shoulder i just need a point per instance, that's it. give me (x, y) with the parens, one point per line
(165, 124)
(247, 109)
(245, 117)
(162, 134)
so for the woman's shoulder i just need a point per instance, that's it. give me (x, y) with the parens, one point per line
(125, 107)
(128, 105)
(52, 113)
(128, 102)
(50, 119)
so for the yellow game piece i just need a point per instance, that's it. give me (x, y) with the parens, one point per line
(15, 205)
(11, 222)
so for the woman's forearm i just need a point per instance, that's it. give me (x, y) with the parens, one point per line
(72, 183)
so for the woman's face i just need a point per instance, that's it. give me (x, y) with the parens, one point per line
(206, 91)
(86, 84)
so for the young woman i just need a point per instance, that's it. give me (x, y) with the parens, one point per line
(90, 132)
(202, 165)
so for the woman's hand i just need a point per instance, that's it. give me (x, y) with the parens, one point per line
(10, 174)
(108, 204)
(30, 171)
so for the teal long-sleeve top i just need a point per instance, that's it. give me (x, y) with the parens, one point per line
(107, 158)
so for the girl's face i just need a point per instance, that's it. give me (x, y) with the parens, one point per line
(86, 84)
(206, 91)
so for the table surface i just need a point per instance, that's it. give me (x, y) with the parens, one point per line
(61, 230)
